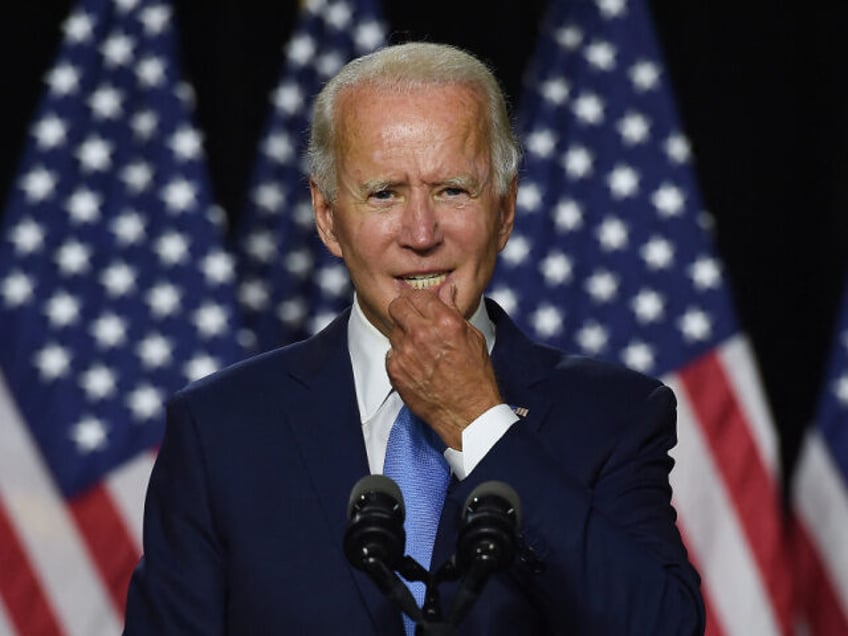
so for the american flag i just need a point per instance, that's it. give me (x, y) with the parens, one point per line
(290, 286)
(115, 291)
(820, 501)
(611, 257)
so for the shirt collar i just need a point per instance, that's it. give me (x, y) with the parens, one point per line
(368, 348)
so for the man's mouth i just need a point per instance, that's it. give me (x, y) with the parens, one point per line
(424, 281)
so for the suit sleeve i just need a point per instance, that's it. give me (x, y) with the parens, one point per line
(601, 555)
(178, 587)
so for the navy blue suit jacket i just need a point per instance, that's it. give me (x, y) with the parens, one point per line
(246, 506)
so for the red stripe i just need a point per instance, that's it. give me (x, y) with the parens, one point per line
(713, 624)
(754, 492)
(20, 589)
(820, 607)
(110, 543)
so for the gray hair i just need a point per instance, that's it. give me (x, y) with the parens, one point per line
(408, 67)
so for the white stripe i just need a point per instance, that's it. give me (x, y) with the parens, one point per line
(739, 367)
(5, 621)
(713, 532)
(820, 496)
(48, 533)
(127, 486)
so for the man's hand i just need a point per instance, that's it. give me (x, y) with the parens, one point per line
(439, 364)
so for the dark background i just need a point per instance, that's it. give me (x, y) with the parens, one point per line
(762, 89)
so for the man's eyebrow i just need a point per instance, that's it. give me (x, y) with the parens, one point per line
(465, 182)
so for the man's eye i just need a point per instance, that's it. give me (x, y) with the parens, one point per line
(453, 192)
(382, 195)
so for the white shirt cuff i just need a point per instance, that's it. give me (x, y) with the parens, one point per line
(478, 438)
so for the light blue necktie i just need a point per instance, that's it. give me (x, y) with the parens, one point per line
(415, 460)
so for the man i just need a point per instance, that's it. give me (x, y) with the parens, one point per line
(414, 184)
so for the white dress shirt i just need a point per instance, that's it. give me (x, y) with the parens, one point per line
(379, 403)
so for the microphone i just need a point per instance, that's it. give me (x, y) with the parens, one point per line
(375, 540)
(487, 542)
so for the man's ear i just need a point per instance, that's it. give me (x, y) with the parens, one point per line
(506, 219)
(323, 210)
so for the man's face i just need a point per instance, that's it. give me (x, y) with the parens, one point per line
(416, 204)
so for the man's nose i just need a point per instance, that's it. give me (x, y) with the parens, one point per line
(420, 228)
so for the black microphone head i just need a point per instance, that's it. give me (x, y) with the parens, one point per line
(375, 522)
(490, 521)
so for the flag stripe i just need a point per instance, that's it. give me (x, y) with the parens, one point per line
(823, 611)
(713, 624)
(741, 463)
(111, 545)
(19, 588)
(127, 486)
(714, 534)
(48, 536)
(5, 620)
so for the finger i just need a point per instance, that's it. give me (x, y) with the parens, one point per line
(403, 312)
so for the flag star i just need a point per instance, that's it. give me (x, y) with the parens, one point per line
(589, 108)
(569, 37)
(568, 215)
(577, 161)
(105, 103)
(516, 251)
(292, 312)
(638, 356)
(695, 325)
(144, 124)
(185, 93)
(155, 19)
(592, 337)
(555, 90)
(172, 248)
(304, 216)
(623, 181)
(556, 267)
(658, 253)
(301, 49)
(179, 195)
(72, 257)
(95, 154)
(506, 298)
(52, 361)
(17, 289)
(79, 27)
(677, 148)
(118, 279)
(126, 5)
(840, 389)
(368, 36)
(200, 366)
(98, 382)
(668, 199)
(288, 98)
(634, 128)
(117, 50)
(705, 273)
(541, 143)
(145, 402)
(648, 305)
(612, 234)
(109, 330)
(602, 286)
(210, 319)
(299, 262)
(547, 320)
(706, 221)
(333, 280)
(217, 267)
(128, 228)
(644, 75)
(50, 132)
(84, 205)
(150, 71)
(329, 63)
(89, 435)
(529, 197)
(261, 246)
(62, 309)
(63, 79)
(338, 15)
(27, 236)
(601, 55)
(138, 176)
(155, 351)
(612, 8)
(278, 147)
(254, 295)
(320, 320)
(186, 143)
(269, 197)
(38, 184)
(164, 299)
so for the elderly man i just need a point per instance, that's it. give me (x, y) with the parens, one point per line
(414, 179)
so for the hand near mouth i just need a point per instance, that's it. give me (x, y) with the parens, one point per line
(439, 363)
